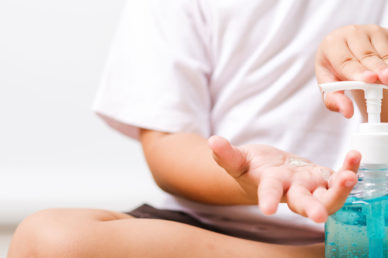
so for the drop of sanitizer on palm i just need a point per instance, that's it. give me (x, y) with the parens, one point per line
(360, 227)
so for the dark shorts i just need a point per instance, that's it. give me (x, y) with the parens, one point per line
(146, 211)
(149, 212)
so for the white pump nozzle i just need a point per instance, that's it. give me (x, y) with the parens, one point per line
(372, 138)
(373, 95)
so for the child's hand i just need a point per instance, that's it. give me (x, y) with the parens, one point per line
(352, 53)
(269, 176)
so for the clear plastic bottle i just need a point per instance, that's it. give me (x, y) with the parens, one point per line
(360, 227)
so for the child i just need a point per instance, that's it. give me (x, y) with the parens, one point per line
(183, 70)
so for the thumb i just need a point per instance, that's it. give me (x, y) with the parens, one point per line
(339, 102)
(334, 101)
(231, 158)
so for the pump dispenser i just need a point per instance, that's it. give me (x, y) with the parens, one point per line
(372, 137)
(360, 227)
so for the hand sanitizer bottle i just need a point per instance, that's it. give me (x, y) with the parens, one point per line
(360, 227)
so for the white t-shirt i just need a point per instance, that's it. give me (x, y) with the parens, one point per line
(242, 69)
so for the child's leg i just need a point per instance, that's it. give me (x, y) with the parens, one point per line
(99, 233)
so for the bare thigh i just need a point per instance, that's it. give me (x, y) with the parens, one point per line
(100, 233)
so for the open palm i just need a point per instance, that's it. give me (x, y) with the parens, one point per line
(269, 176)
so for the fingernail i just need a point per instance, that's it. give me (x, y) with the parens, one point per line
(357, 160)
(350, 183)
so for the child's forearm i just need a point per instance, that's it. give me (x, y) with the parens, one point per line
(182, 164)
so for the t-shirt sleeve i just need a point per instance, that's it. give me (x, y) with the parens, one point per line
(158, 70)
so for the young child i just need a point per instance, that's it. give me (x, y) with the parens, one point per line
(181, 71)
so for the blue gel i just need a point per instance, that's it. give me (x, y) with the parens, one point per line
(358, 229)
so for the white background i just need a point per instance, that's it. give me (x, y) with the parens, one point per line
(54, 152)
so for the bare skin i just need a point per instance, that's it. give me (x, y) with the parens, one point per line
(98, 233)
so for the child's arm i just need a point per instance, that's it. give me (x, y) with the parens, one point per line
(355, 52)
(183, 164)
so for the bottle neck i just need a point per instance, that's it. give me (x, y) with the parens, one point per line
(372, 182)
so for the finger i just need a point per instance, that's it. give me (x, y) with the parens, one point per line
(270, 192)
(344, 63)
(379, 39)
(336, 195)
(361, 46)
(323, 70)
(342, 183)
(301, 201)
(232, 159)
(351, 162)
(339, 102)
(319, 192)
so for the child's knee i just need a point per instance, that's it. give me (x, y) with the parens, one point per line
(42, 234)
(59, 232)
